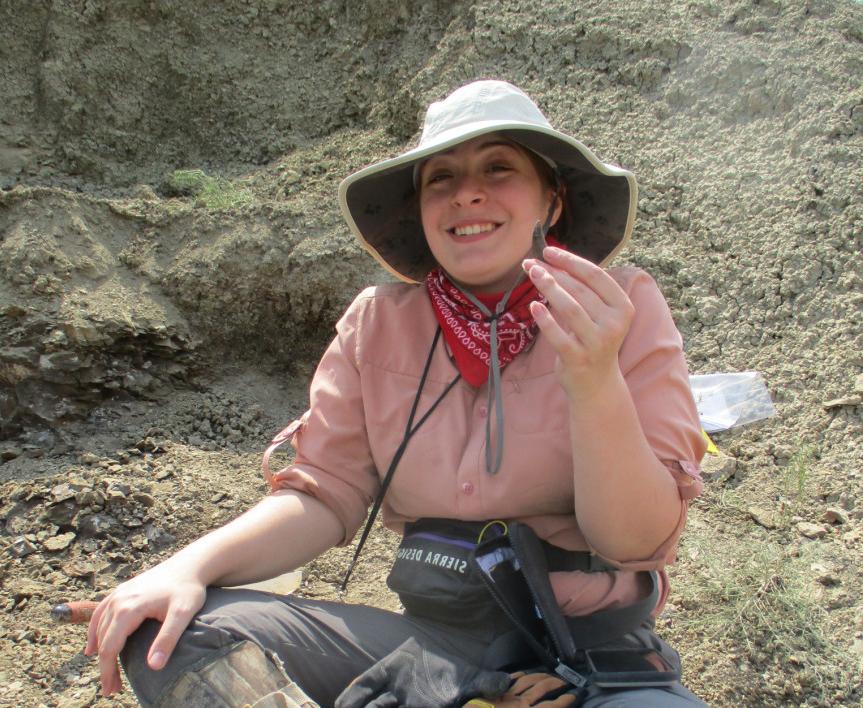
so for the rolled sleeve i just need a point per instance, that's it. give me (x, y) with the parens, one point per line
(333, 462)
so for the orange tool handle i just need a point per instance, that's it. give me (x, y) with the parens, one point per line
(75, 612)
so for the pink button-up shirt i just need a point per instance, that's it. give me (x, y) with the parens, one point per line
(361, 396)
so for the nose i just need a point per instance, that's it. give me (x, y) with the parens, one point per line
(468, 190)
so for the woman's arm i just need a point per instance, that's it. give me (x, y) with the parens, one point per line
(282, 532)
(626, 501)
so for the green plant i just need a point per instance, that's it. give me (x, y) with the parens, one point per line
(759, 603)
(796, 474)
(211, 192)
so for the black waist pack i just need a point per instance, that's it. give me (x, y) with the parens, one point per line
(433, 574)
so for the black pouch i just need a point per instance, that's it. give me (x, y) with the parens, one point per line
(515, 568)
(629, 668)
(503, 575)
(432, 573)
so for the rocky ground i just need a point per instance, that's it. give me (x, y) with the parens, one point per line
(172, 261)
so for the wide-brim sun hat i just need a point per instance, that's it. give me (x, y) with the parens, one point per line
(379, 202)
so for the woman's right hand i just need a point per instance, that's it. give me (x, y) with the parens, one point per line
(166, 593)
(240, 552)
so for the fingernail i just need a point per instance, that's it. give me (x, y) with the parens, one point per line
(157, 661)
(536, 308)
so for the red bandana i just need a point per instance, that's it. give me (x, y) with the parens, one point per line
(467, 331)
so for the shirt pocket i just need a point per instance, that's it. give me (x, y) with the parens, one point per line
(388, 398)
(535, 406)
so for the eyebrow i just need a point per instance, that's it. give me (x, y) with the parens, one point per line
(482, 146)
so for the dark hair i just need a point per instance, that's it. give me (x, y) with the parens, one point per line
(552, 180)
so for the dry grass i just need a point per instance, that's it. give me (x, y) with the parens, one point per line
(748, 609)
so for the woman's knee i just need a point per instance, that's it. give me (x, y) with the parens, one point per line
(239, 674)
(133, 658)
(674, 696)
(199, 644)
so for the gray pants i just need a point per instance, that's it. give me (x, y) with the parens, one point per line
(325, 645)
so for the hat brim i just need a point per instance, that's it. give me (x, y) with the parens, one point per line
(379, 204)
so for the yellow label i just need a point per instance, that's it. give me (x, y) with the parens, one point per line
(711, 448)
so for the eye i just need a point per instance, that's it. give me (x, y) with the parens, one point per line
(498, 167)
(437, 176)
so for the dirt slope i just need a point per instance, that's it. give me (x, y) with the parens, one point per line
(172, 261)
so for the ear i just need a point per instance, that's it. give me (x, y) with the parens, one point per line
(558, 206)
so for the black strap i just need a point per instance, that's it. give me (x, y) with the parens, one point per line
(569, 635)
(558, 559)
(562, 560)
(606, 625)
(410, 429)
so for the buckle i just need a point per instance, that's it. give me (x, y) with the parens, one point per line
(570, 675)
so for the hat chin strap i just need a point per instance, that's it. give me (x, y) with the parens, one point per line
(495, 395)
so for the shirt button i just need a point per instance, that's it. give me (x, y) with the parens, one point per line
(467, 488)
(483, 411)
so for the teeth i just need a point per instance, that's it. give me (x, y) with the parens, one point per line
(472, 229)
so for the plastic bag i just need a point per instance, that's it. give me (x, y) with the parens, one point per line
(729, 400)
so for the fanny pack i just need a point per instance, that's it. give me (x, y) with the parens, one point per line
(436, 574)
(433, 573)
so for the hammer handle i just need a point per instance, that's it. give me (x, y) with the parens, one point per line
(75, 612)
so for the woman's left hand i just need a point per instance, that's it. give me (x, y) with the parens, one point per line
(587, 318)
(530, 690)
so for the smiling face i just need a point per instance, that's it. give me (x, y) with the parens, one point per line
(479, 202)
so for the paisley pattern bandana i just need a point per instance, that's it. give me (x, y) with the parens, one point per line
(467, 331)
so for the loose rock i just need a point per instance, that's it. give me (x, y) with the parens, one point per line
(811, 530)
(763, 517)
(841, 402)
(718, 468)
(22, 547)
(59, 543)
(95, 524)
(835, 515)
(824, 574)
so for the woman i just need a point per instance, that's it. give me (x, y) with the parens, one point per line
(500, 381)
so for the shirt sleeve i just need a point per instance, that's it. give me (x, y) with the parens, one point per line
(653, 365)
(333, 461)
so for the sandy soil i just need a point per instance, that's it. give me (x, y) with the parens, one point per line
(172, 261)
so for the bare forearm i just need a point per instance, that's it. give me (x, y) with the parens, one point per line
(626, 502)
(282, 532)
